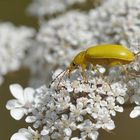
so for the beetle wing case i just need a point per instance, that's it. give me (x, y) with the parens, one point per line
(110, 51)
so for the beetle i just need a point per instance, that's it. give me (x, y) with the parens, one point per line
(105, 55)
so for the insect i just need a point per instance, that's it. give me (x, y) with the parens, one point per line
(105, 55)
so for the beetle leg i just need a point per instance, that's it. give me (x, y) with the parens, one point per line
(132, 74)
(98, 72)
(124, 69)
(128, 73)
(122, 66)
(65, 72)
(84, 75)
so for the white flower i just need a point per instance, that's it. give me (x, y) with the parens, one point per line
(112, 107)
(104, 121)
(77, 111)
(65, 126)
(23, 102)
(119, 89)
(28, 134)
(46, 130)
(62, 101)
(88, 130)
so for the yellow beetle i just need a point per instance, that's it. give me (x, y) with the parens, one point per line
(106, 54)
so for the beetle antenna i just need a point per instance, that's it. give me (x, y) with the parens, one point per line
(56, 78)
(64, 72)
(129, 73)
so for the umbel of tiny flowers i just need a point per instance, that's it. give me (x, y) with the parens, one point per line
(116, 25)
(75, 107)
(14, 42)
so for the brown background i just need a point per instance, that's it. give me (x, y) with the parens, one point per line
(14, 11)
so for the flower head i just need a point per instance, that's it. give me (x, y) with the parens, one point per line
(14, 42)
(23, 102)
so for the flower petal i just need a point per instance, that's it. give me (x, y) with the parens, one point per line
(135, 112)
(93, 135)
(17, 114)
(29, 94)
(45, 131)
(45, 138)
(118, 108)
(110, 125)
(30, 119)
(18, 136)
(68, 131)
(17, 92)
(11, 104)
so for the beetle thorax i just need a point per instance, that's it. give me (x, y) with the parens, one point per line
(79, 58)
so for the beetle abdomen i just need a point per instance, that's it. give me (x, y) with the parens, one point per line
(109, 51)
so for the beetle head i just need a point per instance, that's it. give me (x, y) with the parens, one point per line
(77, 61)
(72, 67)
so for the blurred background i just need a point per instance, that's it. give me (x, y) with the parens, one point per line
(14, 11)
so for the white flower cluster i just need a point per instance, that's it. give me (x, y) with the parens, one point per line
(132, 81)
(50, 7)
(72, 107)
(62, 37)
(14, 41)
(116, 21)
